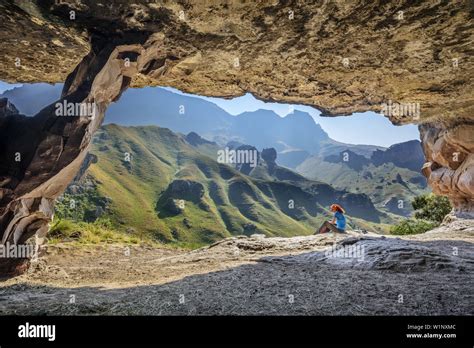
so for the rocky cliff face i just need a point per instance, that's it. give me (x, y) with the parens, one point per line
(350, 158)
(405, 155)
(196, 140)
(410, 60)
(7, 108)
(450, 163)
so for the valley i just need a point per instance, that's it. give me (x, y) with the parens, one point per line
(169, 190)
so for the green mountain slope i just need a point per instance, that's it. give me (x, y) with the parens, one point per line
(390, 187)
(151, 182)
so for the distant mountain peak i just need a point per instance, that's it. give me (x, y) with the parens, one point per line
(195, 139)
(408, 154)
(7, 108)
(298, 113)
(269, 155)
(259, 113)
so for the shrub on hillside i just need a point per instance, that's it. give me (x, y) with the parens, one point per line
(412, 226)
(430, 210)
(431, 207)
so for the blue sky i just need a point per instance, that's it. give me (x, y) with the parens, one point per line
(361, 128)
(5, 86)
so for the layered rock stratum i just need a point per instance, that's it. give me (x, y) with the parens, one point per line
(411, 60)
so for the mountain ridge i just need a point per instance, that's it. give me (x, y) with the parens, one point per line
(298, 139)
(184, 114)
(172, 191)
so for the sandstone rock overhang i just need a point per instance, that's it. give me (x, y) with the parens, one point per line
(410, 59)
(340, 56)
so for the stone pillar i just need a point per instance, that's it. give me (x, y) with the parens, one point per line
(40, 155)
(449, 166)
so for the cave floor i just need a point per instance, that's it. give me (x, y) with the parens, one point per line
(429, 274)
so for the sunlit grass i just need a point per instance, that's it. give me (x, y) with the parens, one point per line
(98, 232)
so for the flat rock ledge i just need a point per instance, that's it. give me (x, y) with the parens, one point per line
(330, 274)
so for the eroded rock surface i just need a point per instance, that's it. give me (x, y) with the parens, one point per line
(340, 56)
(449, 168)
(41, 155)
(256, 276)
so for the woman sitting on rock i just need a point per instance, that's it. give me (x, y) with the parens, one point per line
(337, 224)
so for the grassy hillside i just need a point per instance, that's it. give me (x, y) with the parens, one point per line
(385, 184)
(157, 185)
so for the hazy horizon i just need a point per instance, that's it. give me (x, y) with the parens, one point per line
(353, 129)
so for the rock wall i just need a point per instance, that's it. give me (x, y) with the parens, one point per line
(449, 165)
(410, 60)
(37, 165)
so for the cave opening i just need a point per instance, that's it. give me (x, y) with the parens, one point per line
(374, 170)
(152, 46)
